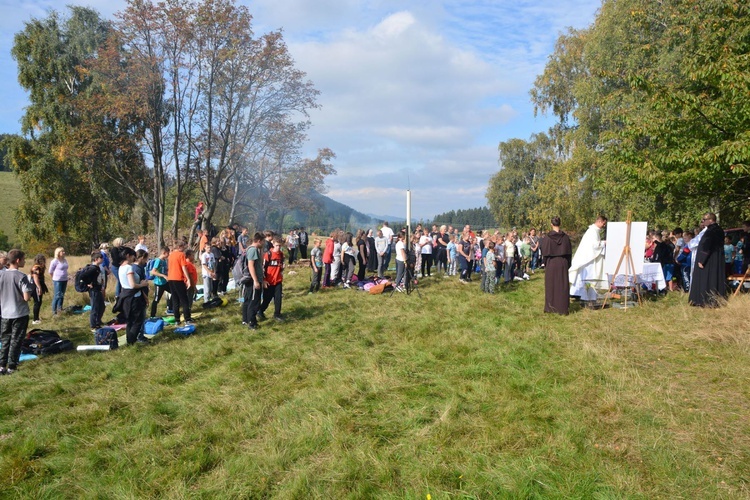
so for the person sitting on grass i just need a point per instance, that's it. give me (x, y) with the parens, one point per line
(273, 276)
(15, 292)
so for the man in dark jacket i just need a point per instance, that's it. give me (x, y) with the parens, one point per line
(708, 284)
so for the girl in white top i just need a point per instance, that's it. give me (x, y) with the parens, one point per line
(336, 264)
(425, 245)
(381, 245)
(400, 261)
(348, 257)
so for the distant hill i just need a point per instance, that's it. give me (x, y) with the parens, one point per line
(333, 214)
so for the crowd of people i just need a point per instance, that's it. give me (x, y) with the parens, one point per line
(695, 261)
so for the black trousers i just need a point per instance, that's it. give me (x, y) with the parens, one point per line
(251, 306)
(159, 290)
(97, 308)
(427, 264)
(37, 305)
(272, 293)
(136, 318)
(178, 289)
(12, 332)
(303, 251)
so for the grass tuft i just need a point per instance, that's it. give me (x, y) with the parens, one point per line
(453, 394)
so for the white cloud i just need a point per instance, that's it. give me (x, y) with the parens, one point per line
(413, 92)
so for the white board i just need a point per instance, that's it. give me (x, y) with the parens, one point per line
(616, 233)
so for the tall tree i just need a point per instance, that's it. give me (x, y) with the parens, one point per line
(512, 193)
(656, 91)
(64, 198)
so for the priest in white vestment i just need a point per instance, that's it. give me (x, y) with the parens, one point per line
(586, 271)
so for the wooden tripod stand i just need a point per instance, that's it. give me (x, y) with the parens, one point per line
(627, 257)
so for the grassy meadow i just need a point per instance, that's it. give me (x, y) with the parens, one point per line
(10, 193)
(451, 394)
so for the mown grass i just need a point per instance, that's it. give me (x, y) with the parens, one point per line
(10, 193)
(454, 394)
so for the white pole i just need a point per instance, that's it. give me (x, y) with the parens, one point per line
(408, 210)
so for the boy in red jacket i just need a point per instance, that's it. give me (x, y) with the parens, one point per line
(273, 268)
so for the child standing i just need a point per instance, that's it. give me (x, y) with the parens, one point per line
(684, 260)
(40, 288)
(15, 292)
(488, 282)
(159, 275)
(192, 281)
(208, 272)
(273, 269)
(452, 255)
(254, 289)
(132, 300)
(94, 276)
(728, 256)
(336, 264)
(316, 264)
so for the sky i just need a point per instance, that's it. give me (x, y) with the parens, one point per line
(415, 94)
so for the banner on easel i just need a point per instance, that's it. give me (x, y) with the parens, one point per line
(616, 239)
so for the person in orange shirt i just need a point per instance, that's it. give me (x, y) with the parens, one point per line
(179, 281)
(192, 273)
(203, 241)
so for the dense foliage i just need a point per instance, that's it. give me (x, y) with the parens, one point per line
(653, 115)
(168, 101)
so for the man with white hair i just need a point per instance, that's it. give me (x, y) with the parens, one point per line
(586, 273)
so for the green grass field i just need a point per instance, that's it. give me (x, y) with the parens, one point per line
(10, 193)
(454, 394)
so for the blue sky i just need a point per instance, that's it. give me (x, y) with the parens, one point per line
(415, 93)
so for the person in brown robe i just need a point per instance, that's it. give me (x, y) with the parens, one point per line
(557, 253)
(708, 283)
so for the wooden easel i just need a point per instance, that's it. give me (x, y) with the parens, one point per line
(626, 256)
(745, 277)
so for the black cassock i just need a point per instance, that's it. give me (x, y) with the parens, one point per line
(709, 284)
(557, 253)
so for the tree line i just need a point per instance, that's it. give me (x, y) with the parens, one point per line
(479, 218)
(140, 116)
(652, 112)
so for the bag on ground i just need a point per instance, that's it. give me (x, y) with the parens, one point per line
(107, 336)
(43, 342)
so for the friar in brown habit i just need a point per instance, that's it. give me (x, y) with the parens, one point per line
(708, 284)
(557, 253)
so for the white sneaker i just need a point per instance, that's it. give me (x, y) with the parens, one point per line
(36, 322)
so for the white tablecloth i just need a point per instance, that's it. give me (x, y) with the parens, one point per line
(651, 274)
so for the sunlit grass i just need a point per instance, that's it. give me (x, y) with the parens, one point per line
(451, 393)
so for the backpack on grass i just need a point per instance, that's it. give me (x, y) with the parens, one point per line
(107, 336)
(43, 342)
